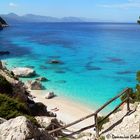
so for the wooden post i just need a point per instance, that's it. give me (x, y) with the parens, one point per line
(128, 100)
(96, 125)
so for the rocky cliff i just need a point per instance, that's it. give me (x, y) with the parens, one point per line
(21, 117)
(2, 23)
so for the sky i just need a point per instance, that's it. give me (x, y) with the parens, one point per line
(106, 10)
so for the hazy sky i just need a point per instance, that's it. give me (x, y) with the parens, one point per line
(114, 10)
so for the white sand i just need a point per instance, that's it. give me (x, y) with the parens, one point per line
(68, 111)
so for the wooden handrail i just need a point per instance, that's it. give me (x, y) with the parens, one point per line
(68, 125)
(126, 91)
(111, 100)
(91, 126)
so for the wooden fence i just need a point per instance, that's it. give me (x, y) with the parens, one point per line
(95, 114)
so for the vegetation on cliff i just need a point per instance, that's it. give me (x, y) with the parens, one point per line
(10, 108)
(5, 86)
(134, 94)
(14, 100)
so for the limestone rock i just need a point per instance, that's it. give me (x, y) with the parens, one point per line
(20, 128)
(23, 72)
(34, 85)
(46, 122)
(49, 95)
(125, 124)
(2, 120)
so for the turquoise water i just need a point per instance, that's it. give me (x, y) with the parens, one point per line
(99, 60)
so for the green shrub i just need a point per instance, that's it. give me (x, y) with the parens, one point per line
(100, 126)
(32, 119)
(10, 107)
(137, 93)
(5, 86)
(102, 138)
(132, 96)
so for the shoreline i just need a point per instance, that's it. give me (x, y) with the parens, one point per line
(66, 110)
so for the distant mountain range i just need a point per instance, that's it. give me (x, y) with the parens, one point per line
(12, 17)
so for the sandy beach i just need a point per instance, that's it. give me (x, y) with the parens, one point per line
(66, 110)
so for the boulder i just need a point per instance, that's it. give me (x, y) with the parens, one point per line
(23, 72)
(39, 109)
(47, 122)
(49, 95)
(20, 128)
(34, 85)
(43, 79)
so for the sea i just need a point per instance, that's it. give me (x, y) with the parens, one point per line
(98, 60)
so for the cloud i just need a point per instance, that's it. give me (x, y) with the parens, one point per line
(129, 4)
(11, 4)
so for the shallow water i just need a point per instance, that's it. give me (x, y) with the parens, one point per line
(99, 60)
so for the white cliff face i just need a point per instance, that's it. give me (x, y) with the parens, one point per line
(20, 128)
(23, 72)
(126, 125)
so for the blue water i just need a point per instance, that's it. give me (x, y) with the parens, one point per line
(99, 60)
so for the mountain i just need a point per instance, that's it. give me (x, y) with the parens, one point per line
(12, 17)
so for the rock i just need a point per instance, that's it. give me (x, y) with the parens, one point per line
(54, 61)
(43, 79)
(20, 128)
(2, 120)
(47, 122)
(124, 124)
(24, 72)
(34, 85)
(3, 22)
(49, 95)
(39, 109)
(1, 28)
(1, 65)
(20, 91)
(4, 52)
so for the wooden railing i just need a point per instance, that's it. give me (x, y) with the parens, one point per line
(95, 114)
